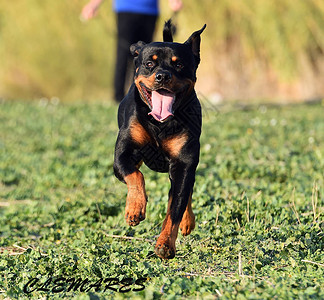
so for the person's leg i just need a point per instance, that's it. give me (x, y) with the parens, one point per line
(131, 28)
(124, 31)
(146, 28)
(143, 30)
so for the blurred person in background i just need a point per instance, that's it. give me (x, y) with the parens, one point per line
(136, 20)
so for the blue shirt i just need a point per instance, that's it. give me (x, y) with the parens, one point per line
(147, 7)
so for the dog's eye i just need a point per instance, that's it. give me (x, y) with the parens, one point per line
(179, 65)
(149, 64)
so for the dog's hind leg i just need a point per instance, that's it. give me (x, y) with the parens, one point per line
(188, 220)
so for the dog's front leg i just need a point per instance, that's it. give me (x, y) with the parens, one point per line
(126, 168)
(182, 177)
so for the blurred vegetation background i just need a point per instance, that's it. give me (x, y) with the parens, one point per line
(251, 49)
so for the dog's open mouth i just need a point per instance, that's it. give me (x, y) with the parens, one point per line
(160, 102)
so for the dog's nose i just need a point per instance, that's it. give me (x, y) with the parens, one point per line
(162, 76)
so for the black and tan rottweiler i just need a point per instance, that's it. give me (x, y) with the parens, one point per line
(160, 124)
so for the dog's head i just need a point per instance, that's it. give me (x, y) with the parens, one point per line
(166, 71)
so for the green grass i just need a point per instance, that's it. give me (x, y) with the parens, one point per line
(258, 201)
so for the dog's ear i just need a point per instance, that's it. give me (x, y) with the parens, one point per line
(136, 48)
(168, 31)
(194, 42)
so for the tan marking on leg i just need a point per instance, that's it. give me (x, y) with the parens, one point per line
(138, 133)
(136, 198)
(165, 245)
(174, 144)
(188, 220)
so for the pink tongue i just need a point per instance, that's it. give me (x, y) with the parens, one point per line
(162, 105)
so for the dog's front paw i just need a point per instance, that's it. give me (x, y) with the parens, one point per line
(164, 250)
(134, 215)
(136, 199)
(135, 210)
(165, 247)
